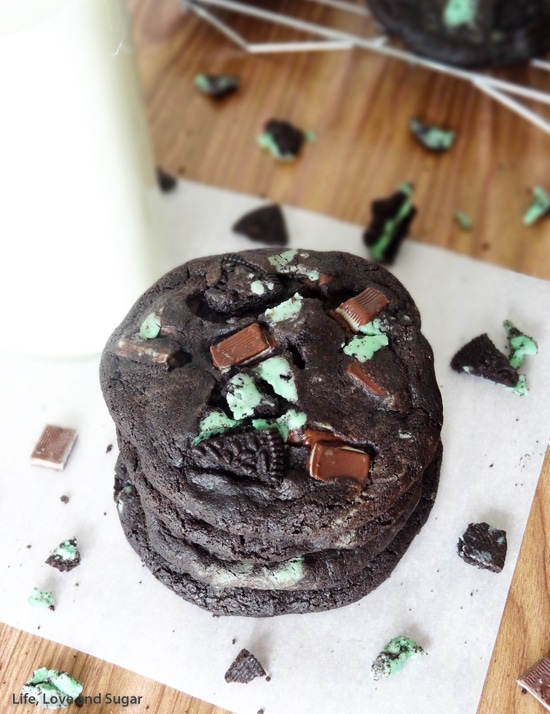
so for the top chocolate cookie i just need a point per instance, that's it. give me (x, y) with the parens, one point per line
(285, 395)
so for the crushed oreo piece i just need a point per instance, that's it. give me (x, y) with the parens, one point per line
(65, 557)
(64, 499)
(391, 218)
(166, 181)
(266, 224)
(251, 454)
(244, 669)
(539, 208)
(482, 358)
(432, 137)
(217, 86)
(54, 447)
(240, 287)
(51, 689)
(282, 139)
(394, 656)
(536, 681)
(484, 546)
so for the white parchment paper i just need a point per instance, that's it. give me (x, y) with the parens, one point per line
(112, 607)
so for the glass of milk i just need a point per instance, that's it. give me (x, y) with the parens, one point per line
(77, 176)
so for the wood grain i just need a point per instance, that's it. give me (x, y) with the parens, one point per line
(359, 106)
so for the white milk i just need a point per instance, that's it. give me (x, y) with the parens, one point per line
(77, 181)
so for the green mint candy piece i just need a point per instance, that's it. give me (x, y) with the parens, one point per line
(394, 656)
(519, 344)
(432, 137)
(276, 372)
(217, 85)
(150, 327)
(243, 396)
(363, 346)
(464, 221)
(52, 689)
(539, 207)
(286, 310)
(215, 423)
(460, 12)
(41, 598)
(378, 249)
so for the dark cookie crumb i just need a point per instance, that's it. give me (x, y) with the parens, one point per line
(244, 669)
(282, 139)
(65, 557)
(166, 181)
(217, 86)
(484, 546)
(266, 224)
(64, 499)
(481, 357)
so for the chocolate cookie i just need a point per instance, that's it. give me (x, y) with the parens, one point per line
(278, 418)
(468, 33)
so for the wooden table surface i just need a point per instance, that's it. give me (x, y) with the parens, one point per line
(358, 105)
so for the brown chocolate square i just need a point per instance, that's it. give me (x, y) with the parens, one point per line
(53, 447)
(537, 681)
(244, 347)
(358, 311)
(332, 461)
(360, 372)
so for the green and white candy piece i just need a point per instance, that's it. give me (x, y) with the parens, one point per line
(394, 656)
(276, 372)
(363, 346)
(286, 310)
(539, 207)
(150, 327)
(520, 345)
(52, 689)
(432, 137)
(460, 12)
(284, 263)
(291, 420)
(215, 423)
(378, 249)
(243, 396)
(66, 551)
(41, 599)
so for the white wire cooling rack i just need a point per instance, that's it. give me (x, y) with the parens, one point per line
(330, 38)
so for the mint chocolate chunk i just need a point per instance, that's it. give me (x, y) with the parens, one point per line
(282, 139)
(391, 219)
(244, 668)
(217, 86)
(52, 689)
(65, 557)
(266, 224)
(394, 656)
(484, 546)
(432, 137)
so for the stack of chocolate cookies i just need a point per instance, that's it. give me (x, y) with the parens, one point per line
(278, 421)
